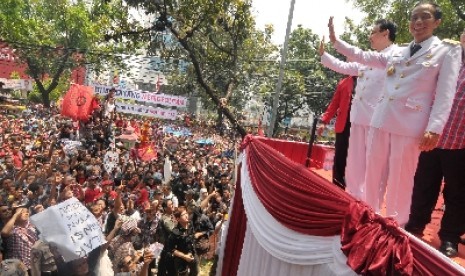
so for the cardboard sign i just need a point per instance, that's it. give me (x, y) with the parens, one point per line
(71, 227)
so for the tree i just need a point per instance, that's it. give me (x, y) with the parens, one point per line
(307, 84)
(54, 37)
(398, 11)
(219, 40)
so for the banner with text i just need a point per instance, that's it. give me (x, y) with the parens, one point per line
(71, 227)
(155, 112)
(17, 84)
(148, 97)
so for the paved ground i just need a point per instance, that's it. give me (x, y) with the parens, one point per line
(430, 234)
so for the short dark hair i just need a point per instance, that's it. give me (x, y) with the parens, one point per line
(385, 24)
(179, 211)
(437, 9)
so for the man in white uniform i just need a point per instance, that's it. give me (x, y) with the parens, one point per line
(367, 95)
(417, 97)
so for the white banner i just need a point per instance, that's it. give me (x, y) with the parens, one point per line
(148, 97)
(17, 84)
(71, 227)
(156, 112)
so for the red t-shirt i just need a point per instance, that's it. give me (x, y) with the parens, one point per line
(91, 194)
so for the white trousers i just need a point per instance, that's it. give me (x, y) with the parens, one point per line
(391, 163)
(356, 161)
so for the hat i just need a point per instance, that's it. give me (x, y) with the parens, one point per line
(203, 190)
(128, 226)
(12, 267)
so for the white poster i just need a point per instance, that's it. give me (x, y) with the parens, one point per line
(17, 84)
(148, 97)
(71, 227)
(110, 161)
(155, 112)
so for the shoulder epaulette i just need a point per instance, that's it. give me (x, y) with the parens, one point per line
(450, 41)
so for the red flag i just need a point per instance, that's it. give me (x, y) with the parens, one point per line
(146, 152)
(77, 103)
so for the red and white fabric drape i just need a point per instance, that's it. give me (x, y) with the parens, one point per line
(286, 220)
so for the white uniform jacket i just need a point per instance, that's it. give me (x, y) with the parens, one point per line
(369, 89)
(418, 91)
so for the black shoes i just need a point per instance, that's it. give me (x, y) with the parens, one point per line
(449, 249)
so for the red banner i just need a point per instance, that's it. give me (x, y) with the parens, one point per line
(78, 102)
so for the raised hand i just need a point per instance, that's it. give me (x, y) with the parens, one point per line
(321, 49)
(332, 34)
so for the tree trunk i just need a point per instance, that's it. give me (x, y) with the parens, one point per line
(45, 97)
(219, 122)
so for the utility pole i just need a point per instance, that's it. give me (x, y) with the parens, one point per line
(281, 71)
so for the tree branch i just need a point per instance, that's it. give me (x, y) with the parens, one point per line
(59, 71)
(222, 49)
(209, 90)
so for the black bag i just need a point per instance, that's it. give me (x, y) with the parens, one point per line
(202, 245)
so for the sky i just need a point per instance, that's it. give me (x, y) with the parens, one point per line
(312, 14)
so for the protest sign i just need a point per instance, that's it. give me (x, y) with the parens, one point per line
(110, 161)
(71, 227)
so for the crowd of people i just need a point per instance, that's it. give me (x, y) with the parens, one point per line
(405, 132)
(176, 201)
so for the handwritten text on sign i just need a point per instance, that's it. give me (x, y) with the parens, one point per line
(71, 227)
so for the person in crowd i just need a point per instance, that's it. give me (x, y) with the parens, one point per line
(410, 117)
(189, 199)
(181, 245)
(13, 267)
(130, 268)
(51, 172)
(20, 236)
(219, 233)
(203, 229)
(168, 195)
(92, 191)
(5, 215)
(43, 260)
(340, 105)
(446, 161)
(367, 95)
(122, 245)
(167, 224)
